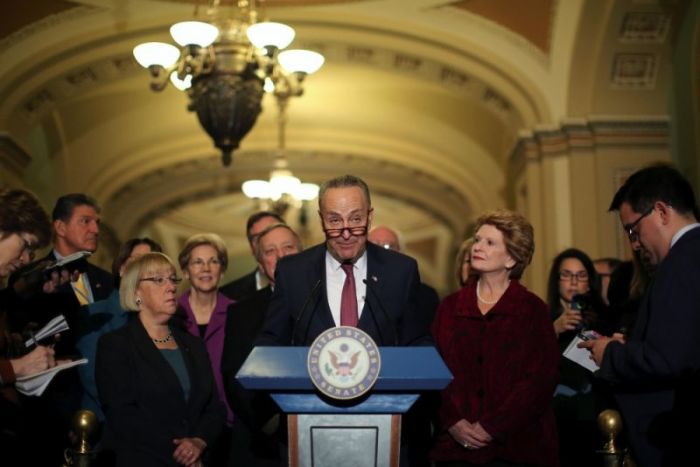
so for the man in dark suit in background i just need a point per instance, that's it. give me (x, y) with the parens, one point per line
(346, 280)
(427, 296)
(247, 285)
(256, 416)
(416, 429)
(655, 366)
(76, 224)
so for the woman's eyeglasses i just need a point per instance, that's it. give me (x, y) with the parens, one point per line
(160, 281)
(581, 276)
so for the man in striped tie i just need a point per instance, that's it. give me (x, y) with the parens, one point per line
(76, 223)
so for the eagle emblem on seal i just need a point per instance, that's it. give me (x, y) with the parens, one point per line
(342, 361)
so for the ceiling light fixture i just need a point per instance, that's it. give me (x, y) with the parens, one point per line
(283, 189)
(224, 63)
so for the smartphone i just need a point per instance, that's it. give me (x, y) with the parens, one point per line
(75, 262)
(589, 335)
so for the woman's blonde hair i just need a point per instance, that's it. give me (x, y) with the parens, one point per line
(143, 266)
(518, 236)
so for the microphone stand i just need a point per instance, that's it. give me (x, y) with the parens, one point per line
(383, 310)
(304, 307)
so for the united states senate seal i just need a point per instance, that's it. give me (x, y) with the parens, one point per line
(343, 362)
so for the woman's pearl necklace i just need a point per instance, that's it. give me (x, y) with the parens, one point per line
(164, 340)
(485, 302)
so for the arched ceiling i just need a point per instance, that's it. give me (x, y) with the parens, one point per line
(423, 98)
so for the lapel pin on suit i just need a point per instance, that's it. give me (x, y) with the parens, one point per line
(374, 279)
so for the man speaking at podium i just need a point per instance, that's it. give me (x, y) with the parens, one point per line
(345, 281)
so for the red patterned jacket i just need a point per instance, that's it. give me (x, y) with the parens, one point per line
(505, 367)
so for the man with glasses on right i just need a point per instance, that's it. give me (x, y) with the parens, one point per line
(655, 369)
(346, 280)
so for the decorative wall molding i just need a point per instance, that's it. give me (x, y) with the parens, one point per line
(634, 71)
(13, 157)
(595, 132)
(109, 69)
(48, 22)
(74, 82)
(644, 27)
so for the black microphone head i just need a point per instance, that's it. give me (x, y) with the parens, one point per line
(580, 302)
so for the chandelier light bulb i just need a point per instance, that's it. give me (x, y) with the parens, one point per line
(269, 85)
(270, 34)
(283, 181)
(181, 84)
(257, 189)
(306, 191)
(300, 61)
(194, 33)
(156, 53)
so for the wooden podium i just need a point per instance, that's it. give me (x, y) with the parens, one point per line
(363, 432)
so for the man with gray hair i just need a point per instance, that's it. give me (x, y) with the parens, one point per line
(428, 298)
(345, 280)
(256, 280)
(255, 415)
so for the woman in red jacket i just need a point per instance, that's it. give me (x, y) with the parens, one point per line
(497, 339)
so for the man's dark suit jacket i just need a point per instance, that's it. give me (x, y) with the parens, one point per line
(391, 315)
(428, 301)
(42, 307)
(244, 321)
(241, 288)
(144, 402)
(662, 351)
(251, 410)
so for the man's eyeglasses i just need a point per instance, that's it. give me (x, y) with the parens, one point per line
(631, 229)
(160, 281)
(355, 231)
(581, 276)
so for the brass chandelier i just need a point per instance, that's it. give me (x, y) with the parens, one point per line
(225, 64)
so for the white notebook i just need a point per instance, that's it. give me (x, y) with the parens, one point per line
(36, 384)
(582, 356)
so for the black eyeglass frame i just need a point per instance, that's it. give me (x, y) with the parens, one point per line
(632, 234)
(578, 275)
(354, 231)
(160, 281)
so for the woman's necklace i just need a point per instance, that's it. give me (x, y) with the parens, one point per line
(478, 295)
(164, 340)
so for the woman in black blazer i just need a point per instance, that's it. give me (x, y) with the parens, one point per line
(155, 382)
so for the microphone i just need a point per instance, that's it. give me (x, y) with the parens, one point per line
(302, 311)
(370, 287)
(580, 303)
